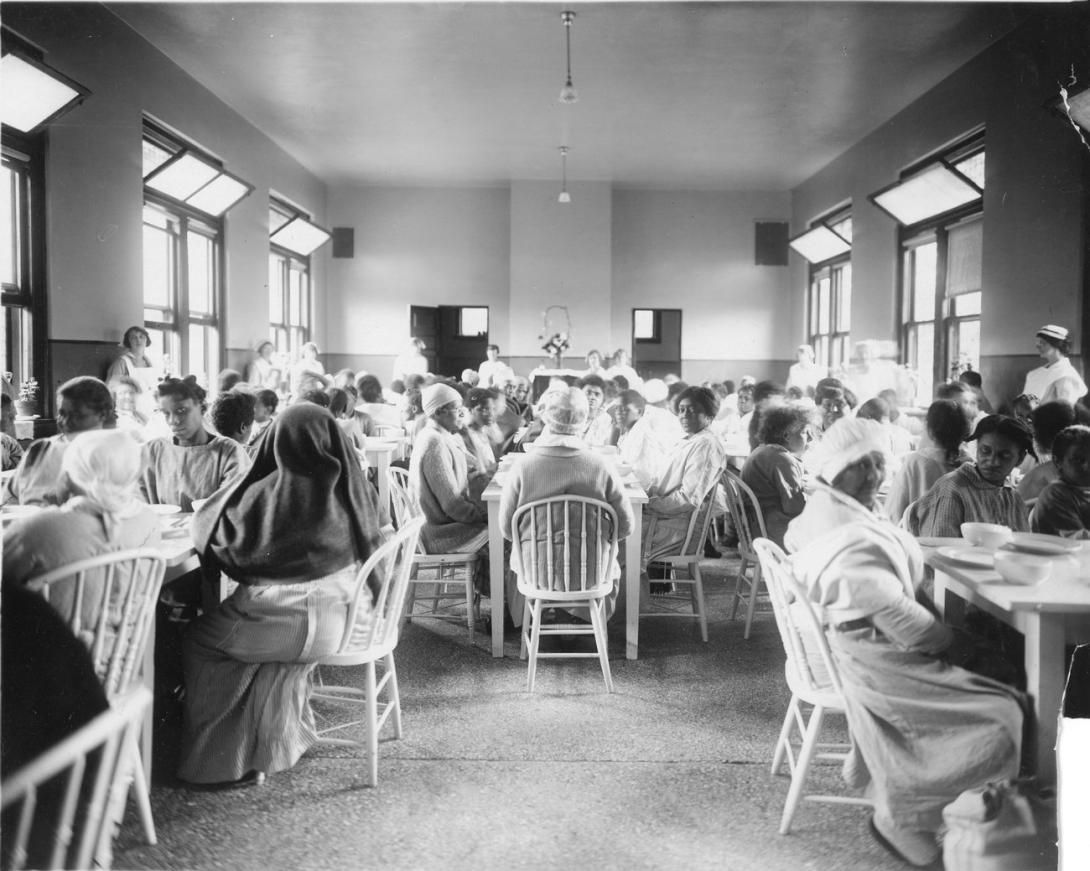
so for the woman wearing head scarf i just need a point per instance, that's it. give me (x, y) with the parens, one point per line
(922, 730)
(293, 532)
(1057, 379)
(562, 464)
(455, 518)
(978, 491)
(83, 404)
(101, 513)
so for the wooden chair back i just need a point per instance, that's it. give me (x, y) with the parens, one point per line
(564, 544)
(55, 808)
(109, 603)
(800, 627)
(745, 511)
(384, 579)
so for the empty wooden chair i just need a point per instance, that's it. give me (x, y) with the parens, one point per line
(749, 525)
(371, 643)
(563, 550)
(109, 604)
(56, 808)
(683, 569)
(812, 678)
(447, 577)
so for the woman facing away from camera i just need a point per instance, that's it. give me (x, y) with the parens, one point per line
(293, 532)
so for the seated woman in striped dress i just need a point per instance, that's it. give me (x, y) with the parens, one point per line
(293, 532)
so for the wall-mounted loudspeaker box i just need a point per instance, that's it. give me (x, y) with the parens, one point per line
(344, 242)
(771, 243)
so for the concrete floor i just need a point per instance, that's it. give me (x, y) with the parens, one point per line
(670, 771)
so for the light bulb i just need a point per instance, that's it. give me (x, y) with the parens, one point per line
(568, 93)
(564, 197)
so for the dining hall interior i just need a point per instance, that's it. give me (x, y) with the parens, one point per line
(705, 187)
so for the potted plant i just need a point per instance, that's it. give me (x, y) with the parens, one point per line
(27, 403)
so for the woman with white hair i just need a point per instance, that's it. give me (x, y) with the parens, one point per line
(923, 730)
(562, 464)
(455, 518)
(102, 511)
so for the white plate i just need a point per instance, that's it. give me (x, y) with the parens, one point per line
(969, 556)
(165, 509)
(940, 541)
(1042, 545)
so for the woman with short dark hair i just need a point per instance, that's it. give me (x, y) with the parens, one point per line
(774, 470)
(1064, 505)
(978, 491)
(132, 358)
(83, 404)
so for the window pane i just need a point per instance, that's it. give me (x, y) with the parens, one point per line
(824, 303)
(843, 228)
(9, 252)
(967, 304)
(821, 350)
(203, 356)
(643, 323)
(276, 280)
(201, 273)
(923, 275)
(473, 322)
(922, 353)
(158, 267)
(165, 345)
(844, 299)
(18, 345)
(301, 274)
(967, 339)
(277, 219)
(154, 156)
(973, 167)
(295, 307)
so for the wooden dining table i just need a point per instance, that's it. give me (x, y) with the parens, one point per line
(496, 563)
(381, 451)
(1051, 616)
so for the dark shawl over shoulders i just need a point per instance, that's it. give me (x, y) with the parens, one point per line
(303, 511)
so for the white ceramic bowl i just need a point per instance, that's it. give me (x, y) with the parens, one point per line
(990, 535)
(1022, 568)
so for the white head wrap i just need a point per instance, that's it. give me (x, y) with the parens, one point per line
(847, 441)
(655, 390)
(104, 465)
(564, 411)
(435, 396)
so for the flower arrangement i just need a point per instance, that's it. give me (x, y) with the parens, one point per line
(28, 390)
(556, 344)
(555, 332)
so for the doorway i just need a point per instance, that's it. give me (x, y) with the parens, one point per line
(656, 342)
(455, 336)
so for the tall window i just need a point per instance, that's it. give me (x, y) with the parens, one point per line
(289, 291)
(183, 272)
(941, 284)
(830, 302)
(21, 256)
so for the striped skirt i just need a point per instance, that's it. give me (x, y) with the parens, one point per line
(247, 666)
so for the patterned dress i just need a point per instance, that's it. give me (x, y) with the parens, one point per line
(962, 496)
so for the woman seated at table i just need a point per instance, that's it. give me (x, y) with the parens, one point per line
(1063, 507)
(373, 403)
(598, 427)
(483, 439)
(455, 518)
(562, 464)
(940, 453)
(101, 511)
(774, 470)
(343, 411)
(922, 730)
(690, 473)
(193, 463)
(83, 404)
(638, 445)
(1046, 421)
(293, 532)
(978, 491)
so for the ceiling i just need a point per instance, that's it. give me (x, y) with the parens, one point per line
(742, 96)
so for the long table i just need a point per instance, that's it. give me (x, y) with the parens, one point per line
(636, 496)
(1051, 616)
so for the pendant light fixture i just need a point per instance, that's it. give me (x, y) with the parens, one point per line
(564, 197)
(567, 93)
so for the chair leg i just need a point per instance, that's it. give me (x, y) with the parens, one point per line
(738, 588)
(469, 605)
(140, 790)
(410, 598)
(802, 767)
(754, 589)
(524, 630)
(393, 694)
(698, 601)
(535, 640)
(785, 735)
(601, 640)
(371, 705)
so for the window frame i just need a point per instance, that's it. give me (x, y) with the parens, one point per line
(831, 346)
(656, 326)
(946, 322)
(287, 335)
(26, 155)
(182, 318)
